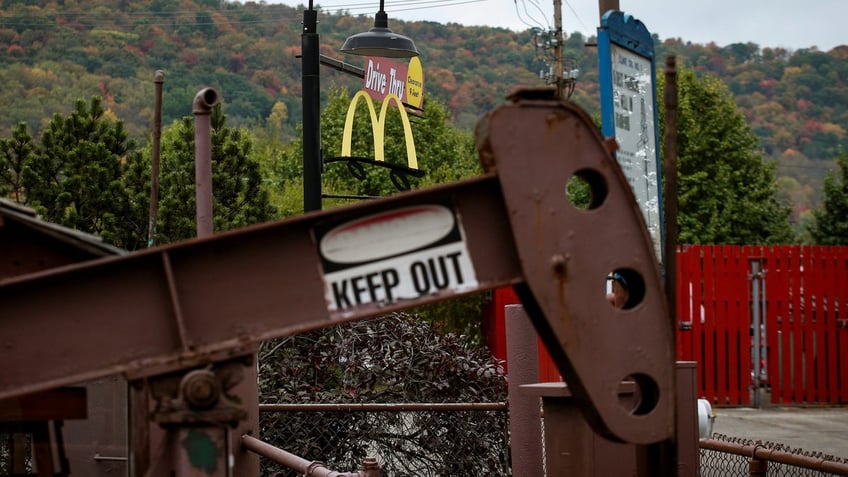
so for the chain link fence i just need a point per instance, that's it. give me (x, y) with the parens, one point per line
(724, 456)
(363, 373)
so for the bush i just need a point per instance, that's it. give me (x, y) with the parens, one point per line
(397, 358)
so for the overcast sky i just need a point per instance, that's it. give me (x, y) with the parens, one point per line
(790, 24)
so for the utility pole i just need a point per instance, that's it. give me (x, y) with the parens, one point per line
(558, 67)
(607, 5)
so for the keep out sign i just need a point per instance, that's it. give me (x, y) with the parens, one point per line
(402, 254)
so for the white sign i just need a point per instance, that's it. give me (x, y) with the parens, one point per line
(635, 132)
(403, 254)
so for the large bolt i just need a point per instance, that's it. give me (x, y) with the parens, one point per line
(200, 389)
(559, 264)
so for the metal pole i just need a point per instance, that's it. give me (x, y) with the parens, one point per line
(661, 459)
(311, 112)
(158, 79)
(669, 177)
(558, 48)
(302, 466)
(204, 101)
(755, 314)
(607, 5)
(525, 425)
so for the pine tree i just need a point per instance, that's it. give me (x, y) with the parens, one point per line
(238, 196)
(73, 177)
(14, 153)
(830, 226)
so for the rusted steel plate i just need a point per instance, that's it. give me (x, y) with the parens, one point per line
(537, 145)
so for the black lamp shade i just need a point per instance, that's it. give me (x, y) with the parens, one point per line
(380, 41)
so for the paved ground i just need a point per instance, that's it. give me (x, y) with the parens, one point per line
(822, 429)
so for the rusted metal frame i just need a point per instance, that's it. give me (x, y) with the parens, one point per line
(536, 144)
(759, 452)
(302, 466)
(386, 407)
(235, 289)
(264, 282)
(179, 322)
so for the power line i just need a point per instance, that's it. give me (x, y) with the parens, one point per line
(574, 12)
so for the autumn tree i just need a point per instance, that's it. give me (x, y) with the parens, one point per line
(726, 191)
(830, 224)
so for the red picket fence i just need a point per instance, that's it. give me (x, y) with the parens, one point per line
(804, 351)
(803, 295)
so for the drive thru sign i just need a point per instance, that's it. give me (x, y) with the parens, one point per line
(402, 254)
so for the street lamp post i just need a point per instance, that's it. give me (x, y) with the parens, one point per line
(311, 96)
(378, 41)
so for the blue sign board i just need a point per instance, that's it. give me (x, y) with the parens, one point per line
(627, 75)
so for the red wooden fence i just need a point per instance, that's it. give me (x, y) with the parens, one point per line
(805, 332)
(804, 299)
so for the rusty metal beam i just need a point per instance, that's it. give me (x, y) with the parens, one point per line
(205, 300)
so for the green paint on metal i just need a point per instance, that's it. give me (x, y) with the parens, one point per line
(201, 451)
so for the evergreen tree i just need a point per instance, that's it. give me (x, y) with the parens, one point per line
(726, 192)
(73, 177)
(238, 196)
(14, 153)
(830, 225)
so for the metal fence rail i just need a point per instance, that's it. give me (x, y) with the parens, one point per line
(724, 456)
(370, 466)
(420, 439)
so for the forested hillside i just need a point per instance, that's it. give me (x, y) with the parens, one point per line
(54, 53)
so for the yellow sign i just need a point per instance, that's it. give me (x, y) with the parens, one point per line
(415, 83)
(378, 127)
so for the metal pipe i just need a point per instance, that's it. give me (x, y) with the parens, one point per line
(204, 101)
(755, 324)
(311, 97)
(299, 464)
(342, 66)
(158, 79)
(106, 458)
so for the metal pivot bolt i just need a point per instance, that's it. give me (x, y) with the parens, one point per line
(200, 389)
(558, 264)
